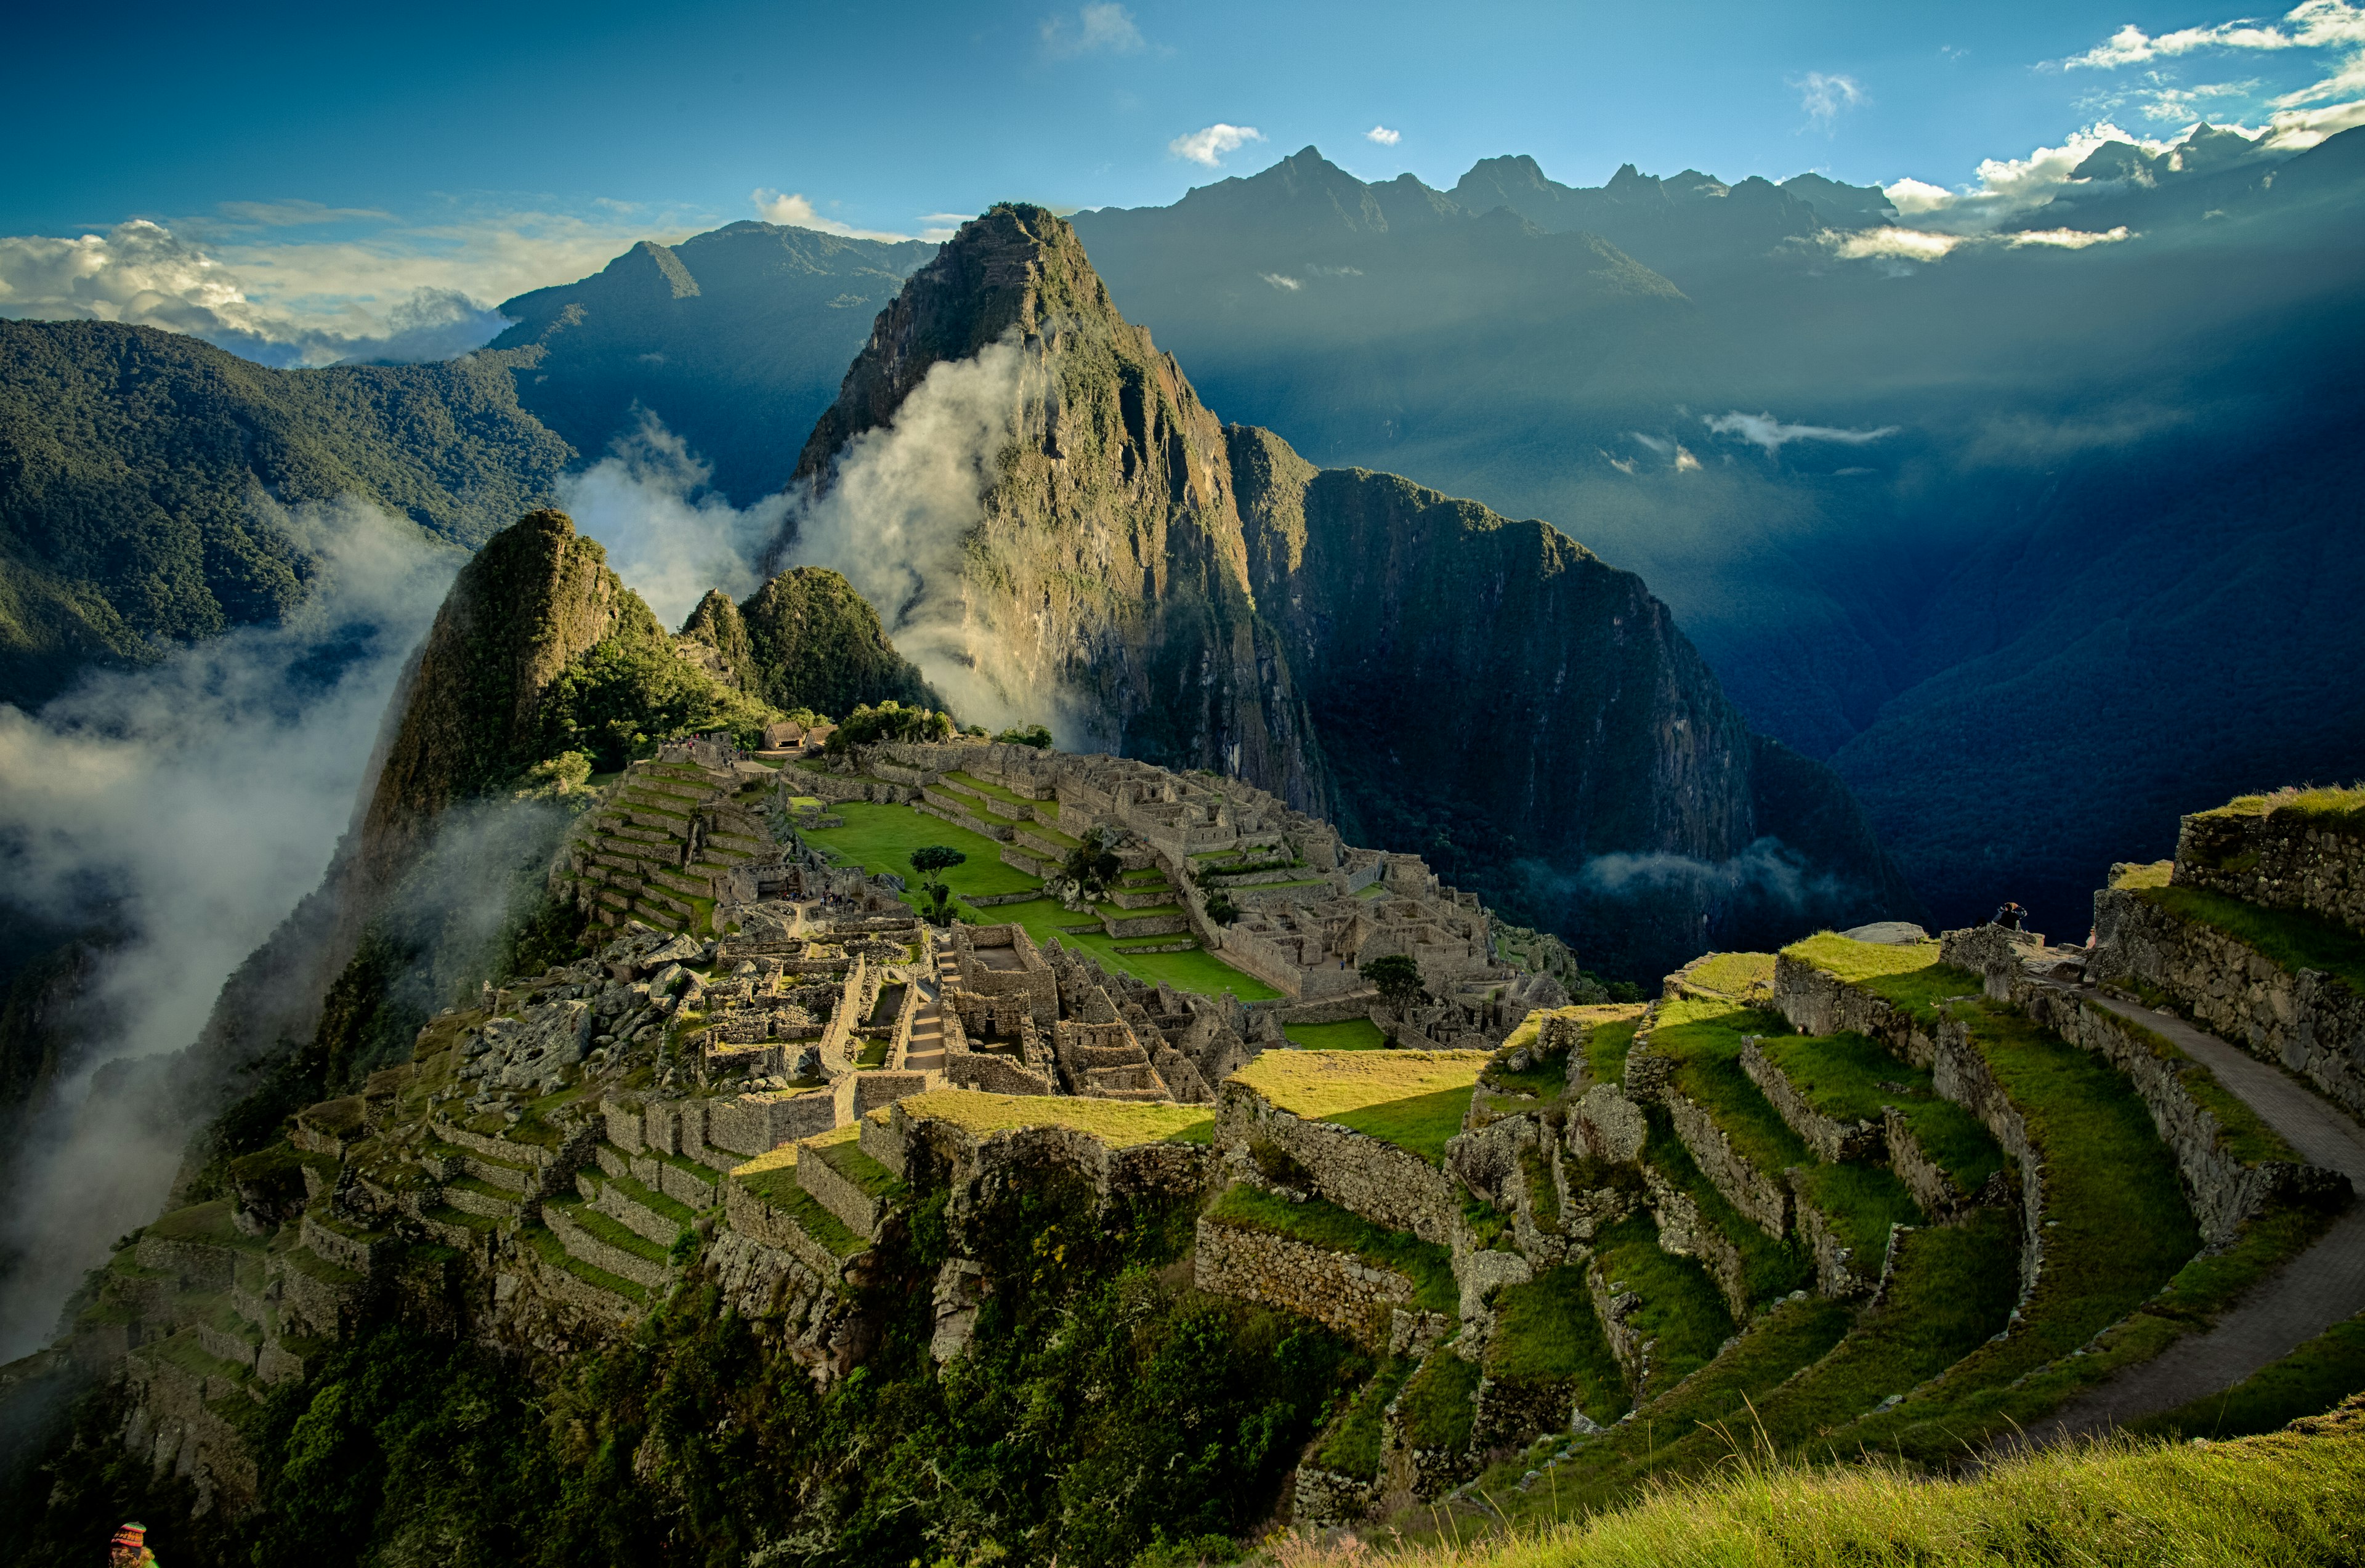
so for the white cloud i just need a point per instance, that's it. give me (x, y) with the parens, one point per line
(1897, 244)
(667, 535)
(2313, 25)
(2068, 239)
(1208, 146)
(1823, 96)
(1765, 431)
(1383, 136)
(2297, 130)
(1285, 284)
(2008, 186)
(901, 500)
(1104, 27)
(1930, 245)
(793, 211)
(195, 800)
(361, 285)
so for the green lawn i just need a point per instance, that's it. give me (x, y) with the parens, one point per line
(881, 838)
(1193, 969)
(1606, 1045)
(1348, 1034)
(1862, 1202)
(1421, 1124)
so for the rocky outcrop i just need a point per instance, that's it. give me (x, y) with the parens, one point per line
(807, 639)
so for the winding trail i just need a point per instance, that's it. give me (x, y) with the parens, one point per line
(2322, 1286)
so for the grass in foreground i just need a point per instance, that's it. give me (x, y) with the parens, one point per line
(1318, 1222)
(2286, 1500)
(1121, 1124)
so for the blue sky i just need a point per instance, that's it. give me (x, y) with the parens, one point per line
(325, 166)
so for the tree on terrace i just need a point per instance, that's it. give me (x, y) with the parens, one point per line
(931, 861)
(1398, 976)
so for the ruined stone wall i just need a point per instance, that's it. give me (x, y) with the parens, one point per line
(1684, 1233)
(994, 1074)
(2281, 859)
(1387, 1185)
(1336, 1289)
(2308, 1022)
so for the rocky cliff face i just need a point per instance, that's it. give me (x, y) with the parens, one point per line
(1103, 580)
(1437, 677)
(1494, 696)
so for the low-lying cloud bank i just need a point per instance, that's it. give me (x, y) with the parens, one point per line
(195, 801)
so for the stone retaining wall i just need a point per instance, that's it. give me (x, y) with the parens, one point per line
(750, 1125)
(860, 1211)
(1839, 1273)
(1832, 1139)
(1615, 1312)
(2282, 860)
(1387, 1185)
(581, 1243)
(1684, 1233)
(1762, 1196)
(994, 1074)
(1321, 1499)
(1338, 1289)
(1513, 1413)
(568, 1289)
(2308, 1022)
(752, 1217)
(2223, 1192)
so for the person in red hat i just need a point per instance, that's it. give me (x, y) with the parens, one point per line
(129, 1549)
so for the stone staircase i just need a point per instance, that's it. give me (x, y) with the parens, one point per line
(650, 850)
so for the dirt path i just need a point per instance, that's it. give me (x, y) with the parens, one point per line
(2322, 1286)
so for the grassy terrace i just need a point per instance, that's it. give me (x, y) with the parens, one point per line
(1733, 975)
(553, 1251)
(2290, 938)
(1121, 1124)
(771, 1178)
(1768, 1268)
(1192, 970)
(1862, 1202)
(2330, 806)
(1350, 1035)
(1851, 1078)
(1681, 1311)
(1704, 1038)
(1715, 1399)
(1023, 806)
(1415, 1100)
(1351, 1447)
(1907, 974)
(1320, 1223)
(602, 1227)
(1545, 1332)
(840, 1150)
(1436, 1408)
